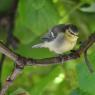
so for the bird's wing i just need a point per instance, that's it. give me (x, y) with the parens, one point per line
(52, 33)
(49, 36)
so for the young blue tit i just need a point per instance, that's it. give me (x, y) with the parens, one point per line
(61, 38)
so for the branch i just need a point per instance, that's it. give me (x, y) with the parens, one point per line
(21, 61)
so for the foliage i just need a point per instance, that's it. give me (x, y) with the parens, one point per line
(33, 19)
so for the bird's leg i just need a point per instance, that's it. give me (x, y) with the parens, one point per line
(61, 57)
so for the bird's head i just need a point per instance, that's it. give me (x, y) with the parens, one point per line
(71, 31)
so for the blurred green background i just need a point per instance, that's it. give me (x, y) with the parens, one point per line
(33, 19)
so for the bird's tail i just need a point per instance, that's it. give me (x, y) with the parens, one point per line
(41, 45)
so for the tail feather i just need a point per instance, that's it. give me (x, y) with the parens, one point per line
(38, 46)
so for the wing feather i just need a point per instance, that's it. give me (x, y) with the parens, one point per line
(52, 33)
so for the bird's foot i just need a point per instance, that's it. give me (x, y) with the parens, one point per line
(73, 51)
(81, 42)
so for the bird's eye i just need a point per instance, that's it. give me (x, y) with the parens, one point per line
(71, 33)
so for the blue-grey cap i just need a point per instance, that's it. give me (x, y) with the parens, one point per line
(72, 27)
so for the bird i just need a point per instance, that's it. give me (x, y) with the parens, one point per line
(60, 38)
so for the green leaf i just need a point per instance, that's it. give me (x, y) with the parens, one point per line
(79, 92)
(44, 82)
(86, 80)
(34, 18)
(90, 9)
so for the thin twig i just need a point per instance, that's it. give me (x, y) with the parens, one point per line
(9, 80)
(90, 68)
